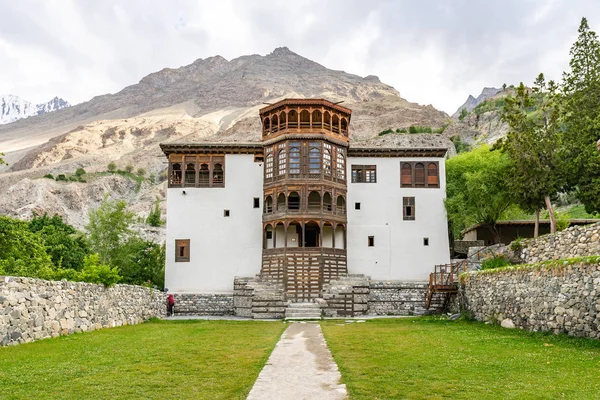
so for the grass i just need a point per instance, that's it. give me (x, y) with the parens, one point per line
(159, 359)
(432, 358)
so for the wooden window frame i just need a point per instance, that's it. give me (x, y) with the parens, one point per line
(408, 203)
(185, 244)
(425, 184)
(197, 160)
(361, 173)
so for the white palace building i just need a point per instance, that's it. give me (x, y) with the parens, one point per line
(302, 207)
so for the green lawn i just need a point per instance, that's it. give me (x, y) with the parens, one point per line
(158, 360)
(429, 358)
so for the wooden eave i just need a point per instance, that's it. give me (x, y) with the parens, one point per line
(306, 102)
(395, 152)
(212, 148)
(307, 136)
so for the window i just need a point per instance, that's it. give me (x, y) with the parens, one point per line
(357, 206)
(282, 160)
(175, 175)
(259, 158)
(269, 234)
(294, 158)
(190, 174)
(269, 166)
(256, 202)
(408, 205)
(340, 165)
(371, 241)
(182, 250)
(204, 174)
(364, 174)
(419, 174)
(314, 159)
(226, 213)
(197, 171)
(327, 158)
(425, 241)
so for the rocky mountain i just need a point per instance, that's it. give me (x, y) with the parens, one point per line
(473, 102)
(13, 108)
(210, 99)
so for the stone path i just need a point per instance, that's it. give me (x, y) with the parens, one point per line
(300, 367)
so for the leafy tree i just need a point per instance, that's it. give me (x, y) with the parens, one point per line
(141, 172)
(109, 229)
(80, 172)
(581, 101)
(129, 168)
(112, 166)
(154, 218)
(64, 244)
(531, 144)
(96, 272)
(141, 262)
(478, 189)
(49, 176)
(2, 159)
(504, 86)
(463, 114)
(22, 252)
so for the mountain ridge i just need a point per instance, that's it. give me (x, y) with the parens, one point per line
(14, 108)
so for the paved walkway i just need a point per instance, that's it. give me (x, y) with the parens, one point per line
(300, 367)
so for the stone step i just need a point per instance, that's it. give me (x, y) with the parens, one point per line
(303, 305)
(302, 318)
(303, 315)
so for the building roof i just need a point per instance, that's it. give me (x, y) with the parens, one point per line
(211, 147)
(405, 145)
(575, 221)
(305, 102)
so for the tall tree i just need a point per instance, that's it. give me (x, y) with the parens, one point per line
(531, 143)
(477, 189)
(581, 103)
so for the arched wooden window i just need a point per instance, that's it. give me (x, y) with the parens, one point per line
(432, 175)
(406, 175)
(282, 161)
(281, 202)
(419, 175)
(282, 120)
(317, 119)
(274, 123)
(268, 205)
(327, 120)
(218, 174)
(190, 174)
(335, 124)
(293, 201)
(341, 206)
(314, 160)
(314, 201)
(344, 124)
(327, 202)
(204, 179)
(292, 119)
(176, 174)
(327, 159)
(305, 119)
(340, 165)
(294, 158)
(269, 166)
(266, 126)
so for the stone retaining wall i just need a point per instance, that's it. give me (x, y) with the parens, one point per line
(560, 299)
(32, 309)
(203, 304)
(397, 298)
(253, 298)
(575, 241)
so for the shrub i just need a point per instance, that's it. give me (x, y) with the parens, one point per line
(152, 179)
(112, 167)
(154, 218)
(163, 176)
(61, 177)
(49, 176)
(80, 172)
(517, 244)
(129, 168)
(463, 114)
(74, 178)
(419, 129)
(495, 262)
(95, 272)
(386, 132)
(141, 172)
(401, 130)
(461, 147)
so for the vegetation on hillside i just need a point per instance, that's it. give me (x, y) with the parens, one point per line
(414, 129)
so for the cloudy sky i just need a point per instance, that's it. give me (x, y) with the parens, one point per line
(433, 52)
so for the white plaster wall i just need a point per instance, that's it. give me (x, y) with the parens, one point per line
(220, 247)
(399, 253)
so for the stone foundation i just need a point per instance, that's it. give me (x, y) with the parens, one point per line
(397, 298)
(254, 298)
(33, 309)
(576, 241)
(203, 304)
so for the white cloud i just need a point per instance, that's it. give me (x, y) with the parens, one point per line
(431, 52)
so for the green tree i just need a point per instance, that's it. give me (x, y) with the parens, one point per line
(2, 159)
(141, 172)
(112, 166)
(531, 144)
(129, 168)
(80, 172)
(463, 114)
(66, 246)
(109, 229)
(581, 102)
(96, 272)
(477, 189)
(22, 252)
(141, 262)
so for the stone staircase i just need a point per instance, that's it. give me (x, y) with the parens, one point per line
(303, 311)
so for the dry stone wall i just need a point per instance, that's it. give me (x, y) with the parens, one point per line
(560, 299)
(32, 309)
(575, 241)
(203, 304)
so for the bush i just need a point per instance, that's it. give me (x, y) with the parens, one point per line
(461, 147)
(463, 114)
(386, 132)
(419, 129)
(61, 177)
(80, 172)
(129, 168)
(401, 130)
(495, 262)
(49, 176)
(517, 244)
(152, 179)
(112, 167)
(141, 172)
(95, 272)
(154, 218)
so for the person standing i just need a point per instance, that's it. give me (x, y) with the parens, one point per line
(170, 305)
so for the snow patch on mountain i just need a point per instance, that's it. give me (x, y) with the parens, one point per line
(13, 108)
